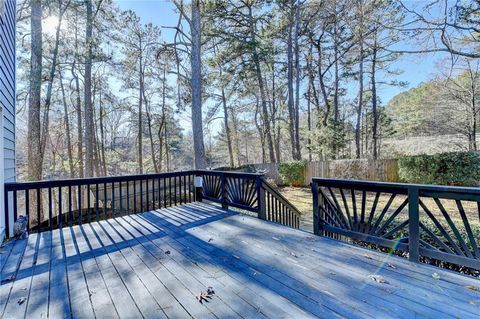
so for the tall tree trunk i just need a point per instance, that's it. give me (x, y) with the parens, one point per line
(196, 83)
(290, 101)
(298, 154)
(263, 95)
(374, 101)
(150, 136)
(261, 134)
(102, 136)
(358, 126)
(34, 151)
(275, 126)
(140, 109)
(89, 129)
(71, 165)
(227, 127)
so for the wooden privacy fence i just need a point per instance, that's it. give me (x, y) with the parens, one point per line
(385, 170)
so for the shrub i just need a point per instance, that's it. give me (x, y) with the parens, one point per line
(293, 173)
(458, 168)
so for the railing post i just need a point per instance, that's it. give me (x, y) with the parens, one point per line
(261, 207)
(413, 224)
(223, 190)
(198, 184)
(316, 209)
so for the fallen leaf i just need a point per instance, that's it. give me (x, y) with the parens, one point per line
(471, 287)
(435, 276)
(367, 256)
(210, 291)
(391, 266)
(21, 300)
(472, 303)
(167, 252)
(294, 255)
(378, 278)
(210, 239)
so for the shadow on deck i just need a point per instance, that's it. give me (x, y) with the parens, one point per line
(155, 264)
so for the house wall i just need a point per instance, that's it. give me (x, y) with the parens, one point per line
(7, 98)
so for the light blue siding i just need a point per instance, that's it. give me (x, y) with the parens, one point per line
(7, 86)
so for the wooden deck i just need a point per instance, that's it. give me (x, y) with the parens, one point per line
(154, 264)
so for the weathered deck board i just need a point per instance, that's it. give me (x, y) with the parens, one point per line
(152, 265)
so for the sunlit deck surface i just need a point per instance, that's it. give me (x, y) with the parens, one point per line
(154, 264)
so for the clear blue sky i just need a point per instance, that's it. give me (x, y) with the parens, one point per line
(416, 68)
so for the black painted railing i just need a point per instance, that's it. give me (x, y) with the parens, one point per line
(429, 223)
(250, 192)
(56, 203)
(53, 203)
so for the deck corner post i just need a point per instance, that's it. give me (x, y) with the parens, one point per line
(262, 213)
(413, 224)
(316, 209)
(223, 190)
(198, 184)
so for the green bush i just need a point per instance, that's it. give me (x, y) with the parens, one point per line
(458, 168)
(293, 173)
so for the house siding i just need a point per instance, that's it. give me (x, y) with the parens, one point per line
(7, 85)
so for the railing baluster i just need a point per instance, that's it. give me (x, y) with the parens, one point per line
(141, 196)
(60, 211)
(134, 196)
(39, 220)
(105, 216)
(164, 192)
(70, 213)
(159, 193)
(50, 221)
(120, 196)
(89, 213)
(170, 190)
(147, 195)
(128, 198)
(97, 214)
(80, 211)
(15, 204)
(175, 190)
(153, 194)
(113, 199)
(27, 208)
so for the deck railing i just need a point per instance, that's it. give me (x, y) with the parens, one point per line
(250, 192)
(430, 223)
(54, 203)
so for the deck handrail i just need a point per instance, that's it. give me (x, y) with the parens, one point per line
(429, 222)
(251, 192)
(51, 203)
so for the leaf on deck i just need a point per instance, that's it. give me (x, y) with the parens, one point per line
(435, 276)
(367, 256)
(391, 266)
(378, 278)
(205, 295)
(471, 287)
(167, 252)
(21, 300)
